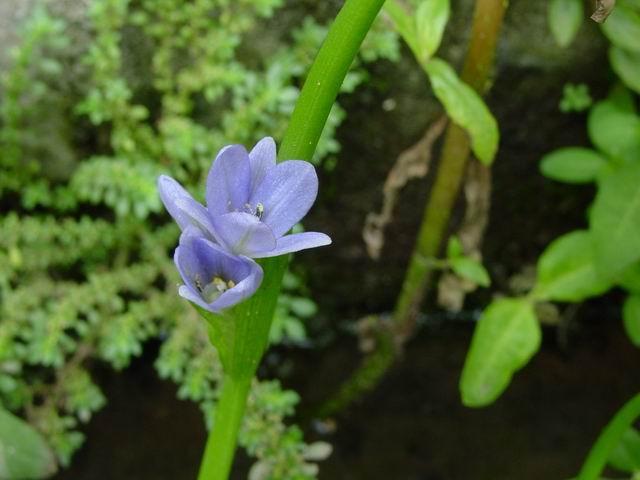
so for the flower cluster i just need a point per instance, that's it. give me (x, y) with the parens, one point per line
(251, 204)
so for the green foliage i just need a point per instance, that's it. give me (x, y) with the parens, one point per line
(626, 454)
(471, 270)
(507, 336)
(615, 130)
(631, 318)
(466, 267)
(627, 65)
(575, 98)
(431, 18)
(26, 89)
(565, 18)
(278, 448)
(463, 105)
(465, 108)
(615, 220)
(292, 307)
(578, 265)
(85, 259)
(623, 30)
(23, 452)
(573, 165)
(566, 270)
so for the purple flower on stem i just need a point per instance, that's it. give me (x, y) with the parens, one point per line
(252, 202)
(214, 279)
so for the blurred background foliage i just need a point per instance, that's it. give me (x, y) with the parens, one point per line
(98, 97)
(94, 106)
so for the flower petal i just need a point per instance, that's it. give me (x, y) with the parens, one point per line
(179, 203)
(286, 193)
(229, 181)
(198, 259)
(198, 217)
(243, 234)
(193, 296)
(261, 158)
(296, 242)
(244, 289)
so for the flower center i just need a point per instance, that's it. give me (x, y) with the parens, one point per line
(258, 211)
(212, 290)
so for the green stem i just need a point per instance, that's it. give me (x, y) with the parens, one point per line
(308, 119)
(326, 76)
(487, 21)
(218, 455)
(608, 439)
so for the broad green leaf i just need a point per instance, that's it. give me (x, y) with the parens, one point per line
(431, 18)
(465, 107)
(622, 28)
(573, 165)
(630, 279)
(567, 272)
(614, 130)
(631, 319)
(565, 18)
(615, 220)
(23, 452)
(625, 456)
(506, 337)
(626, 64)
(454, 248)
(470, 269)
(303, 307)
(404, 24)
(622, 98)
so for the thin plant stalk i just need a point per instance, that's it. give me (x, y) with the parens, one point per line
(254, 316)
(228, 417)
(608, 439)
(487, 22)
(476, 72)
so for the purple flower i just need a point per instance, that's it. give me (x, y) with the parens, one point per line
(252, 202)
(214, 279)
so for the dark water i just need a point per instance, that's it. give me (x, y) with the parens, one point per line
(412, 427)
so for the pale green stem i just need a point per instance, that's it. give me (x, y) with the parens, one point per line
(487, 21)
(608, 439)
(221, 444)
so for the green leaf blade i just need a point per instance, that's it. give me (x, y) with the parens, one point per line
(23, 451)
(567, 271)
(614, 130)
(465, 107)
(622, 28)
(626, 454)
(565, 18)
(631, 320)
(431, 19)
(573, 165)
(471, 269)
(626, 64)
(615, 220)
(506, 337)
(630, 279)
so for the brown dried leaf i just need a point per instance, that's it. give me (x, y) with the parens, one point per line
(452, 290)
(477, 192)
(602, 9)
(412, 163)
